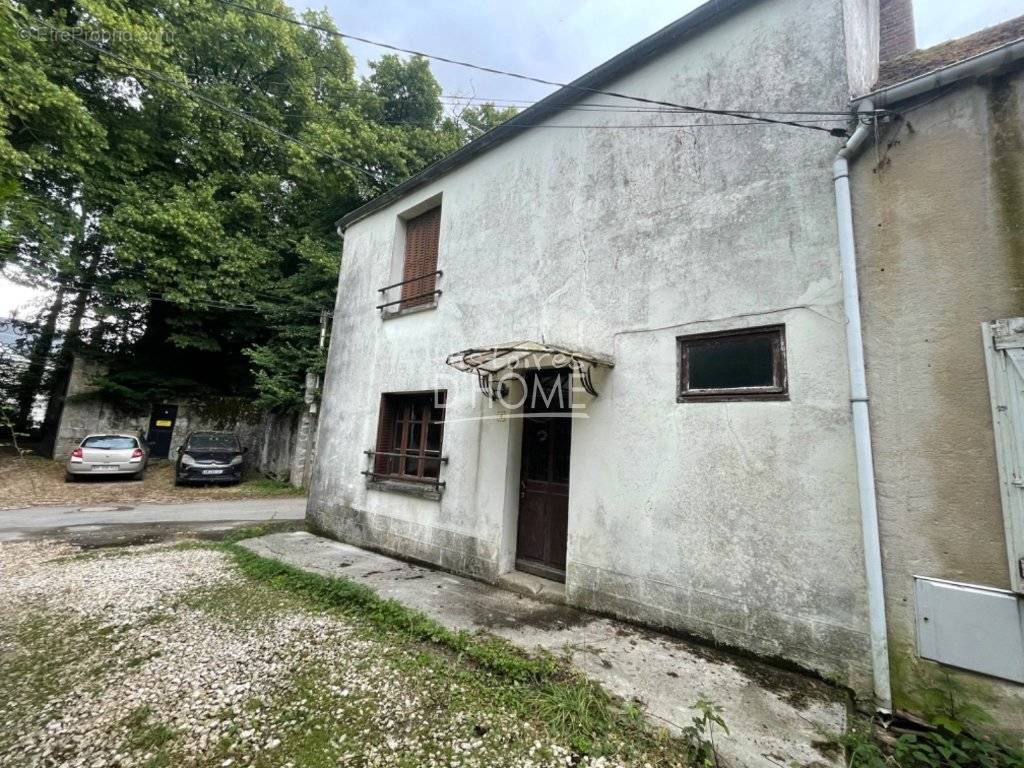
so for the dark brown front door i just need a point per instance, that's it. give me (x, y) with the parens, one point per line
(544, 480)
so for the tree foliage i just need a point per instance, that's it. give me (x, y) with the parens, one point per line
(171, 171)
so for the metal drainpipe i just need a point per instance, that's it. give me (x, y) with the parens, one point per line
(861, 425)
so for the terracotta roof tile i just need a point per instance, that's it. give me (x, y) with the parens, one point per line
(927, 60)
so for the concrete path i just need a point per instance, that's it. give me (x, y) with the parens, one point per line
(105, 525)
(775, 717)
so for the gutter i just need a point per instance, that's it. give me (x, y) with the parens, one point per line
(981, 64)
(861, 424)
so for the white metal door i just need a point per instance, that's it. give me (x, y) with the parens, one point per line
(1004, 359)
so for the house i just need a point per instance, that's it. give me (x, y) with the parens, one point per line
(624, 366)
(939, 215)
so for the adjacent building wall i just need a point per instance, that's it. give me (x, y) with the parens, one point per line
(734, 521)
(939, 212)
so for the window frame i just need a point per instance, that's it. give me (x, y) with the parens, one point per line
(424, 295)
(397, 442)
(778, 390)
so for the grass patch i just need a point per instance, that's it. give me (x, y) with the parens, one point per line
(490, 671)
(143, 734)
(359, 601)
(261, 485)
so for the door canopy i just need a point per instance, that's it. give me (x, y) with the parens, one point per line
(491, 364)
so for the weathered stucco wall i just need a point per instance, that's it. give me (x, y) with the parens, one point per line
(940, 228)
(734, 521)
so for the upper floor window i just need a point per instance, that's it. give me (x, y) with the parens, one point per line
(748, 364)
(419, 269)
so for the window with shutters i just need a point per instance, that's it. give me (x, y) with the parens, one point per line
(419, 269)
(1004, 361)
(747, 364)
(409, 433)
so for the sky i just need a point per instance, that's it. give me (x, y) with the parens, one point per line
(552, 39)
(562, 39)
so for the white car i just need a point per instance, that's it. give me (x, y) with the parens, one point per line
(107, 455)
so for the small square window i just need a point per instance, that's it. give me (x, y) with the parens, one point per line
(748, 364)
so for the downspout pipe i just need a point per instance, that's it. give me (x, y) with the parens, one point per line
(861, 424)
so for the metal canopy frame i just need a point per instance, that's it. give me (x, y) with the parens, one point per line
(489, 362)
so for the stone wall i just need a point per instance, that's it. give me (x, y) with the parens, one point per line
(278, 444)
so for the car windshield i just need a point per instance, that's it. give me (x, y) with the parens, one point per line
(110, 442)
(212, 443)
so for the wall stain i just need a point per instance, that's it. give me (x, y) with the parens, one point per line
(1006, 139)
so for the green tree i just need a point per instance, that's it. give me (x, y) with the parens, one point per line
(404, 92)
(178, 188)
(479, 120)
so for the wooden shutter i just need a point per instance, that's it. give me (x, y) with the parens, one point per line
(385, 435)
(1004, 359)
(421, 236)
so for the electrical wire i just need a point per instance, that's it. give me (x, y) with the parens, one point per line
(491, 70)
(608, 107)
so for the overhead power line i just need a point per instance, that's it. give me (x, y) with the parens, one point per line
(474, 100)
(506, 73)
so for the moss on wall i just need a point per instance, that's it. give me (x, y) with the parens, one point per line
(1006, 139)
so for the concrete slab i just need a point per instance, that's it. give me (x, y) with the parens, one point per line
(776, 717)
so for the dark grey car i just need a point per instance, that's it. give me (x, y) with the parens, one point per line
(209, 457)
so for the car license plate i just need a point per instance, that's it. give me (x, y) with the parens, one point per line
(105, 467)
(212, 471)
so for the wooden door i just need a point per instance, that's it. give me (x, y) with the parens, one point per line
(544, 489)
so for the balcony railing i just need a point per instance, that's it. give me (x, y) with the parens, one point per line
(410, 301)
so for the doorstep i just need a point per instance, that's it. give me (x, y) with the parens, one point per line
(775, 717)
(533, 586)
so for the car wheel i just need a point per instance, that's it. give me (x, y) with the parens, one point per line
(137, 476)
(69, 478)
(178, 483)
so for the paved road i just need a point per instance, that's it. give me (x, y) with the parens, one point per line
(96, 525)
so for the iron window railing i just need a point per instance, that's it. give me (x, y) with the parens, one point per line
(436, 482)
(410, 299)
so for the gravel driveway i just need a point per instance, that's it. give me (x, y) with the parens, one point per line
(34, 481)
(160, 656)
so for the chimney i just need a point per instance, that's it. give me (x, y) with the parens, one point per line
(896, 28)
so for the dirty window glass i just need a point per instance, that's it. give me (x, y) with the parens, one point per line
(110, 442)
(734, 365)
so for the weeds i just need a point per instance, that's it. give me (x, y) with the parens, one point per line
(952, 737)
(699, 736)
